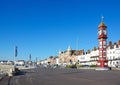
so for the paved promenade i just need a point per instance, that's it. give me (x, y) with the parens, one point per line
(60, 76)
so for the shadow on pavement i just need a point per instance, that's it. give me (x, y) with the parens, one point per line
(73, 73)
(20, 73)
(9, 81)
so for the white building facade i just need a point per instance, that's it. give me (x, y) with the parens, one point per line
(113, 56)
(84, 59)
(94, 54)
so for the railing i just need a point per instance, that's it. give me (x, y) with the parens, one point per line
(114, 59)
(2, 74)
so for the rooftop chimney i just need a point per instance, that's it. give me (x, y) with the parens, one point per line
(119, 43)
(109, 45)
(115, 45)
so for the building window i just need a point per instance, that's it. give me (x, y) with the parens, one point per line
(110, 57)
(113, 63)
(113, 57)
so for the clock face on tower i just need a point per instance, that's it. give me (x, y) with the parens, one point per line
(104, 31)
(99, 32)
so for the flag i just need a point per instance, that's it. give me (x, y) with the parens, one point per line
(30, 57)
(16, 51)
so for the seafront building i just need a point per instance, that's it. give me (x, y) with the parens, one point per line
(90, 57)
(69, 56)
(105, 55)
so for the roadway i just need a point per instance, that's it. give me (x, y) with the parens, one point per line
(60, 76)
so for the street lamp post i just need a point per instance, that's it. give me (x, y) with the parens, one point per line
(16, 53)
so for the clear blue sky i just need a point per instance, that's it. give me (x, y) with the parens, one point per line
(43, 27)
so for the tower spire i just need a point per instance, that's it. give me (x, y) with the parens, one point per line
(102, 24)
(102, 18)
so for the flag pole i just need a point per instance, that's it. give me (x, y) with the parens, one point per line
(15, 54)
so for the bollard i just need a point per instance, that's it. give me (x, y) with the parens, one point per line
(10, 73)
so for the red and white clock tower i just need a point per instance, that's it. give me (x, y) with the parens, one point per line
(102, 38)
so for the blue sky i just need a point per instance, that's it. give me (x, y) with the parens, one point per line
(43, 27)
